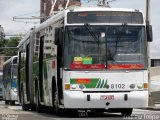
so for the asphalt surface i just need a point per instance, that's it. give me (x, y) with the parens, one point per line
(15, 112)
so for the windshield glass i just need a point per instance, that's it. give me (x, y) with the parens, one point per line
(100, 47)
(14, 73)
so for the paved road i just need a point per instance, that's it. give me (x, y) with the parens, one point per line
(15, 113)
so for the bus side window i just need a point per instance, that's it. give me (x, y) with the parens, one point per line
(15, 61)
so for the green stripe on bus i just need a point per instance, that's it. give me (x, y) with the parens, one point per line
(73, 81)
(92, 84)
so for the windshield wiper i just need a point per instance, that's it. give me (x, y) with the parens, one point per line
(94, 37)
(120, 35)
(91, 32)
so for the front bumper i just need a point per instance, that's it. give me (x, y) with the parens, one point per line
(13, 95)
(92, 100)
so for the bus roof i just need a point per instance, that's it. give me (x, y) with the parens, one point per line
(103, 9)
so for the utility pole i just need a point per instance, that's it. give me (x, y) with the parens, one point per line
(151, 99)
(1, 32)
(147, 10)
(147, 23)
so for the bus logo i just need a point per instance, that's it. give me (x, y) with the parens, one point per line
(102, 84)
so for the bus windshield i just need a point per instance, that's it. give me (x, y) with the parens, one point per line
(105, 47)
(14, 72)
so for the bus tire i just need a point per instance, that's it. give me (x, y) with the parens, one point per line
(126, 111)
(6, 102)
(39, 107)
(33, 107)
(25, 107)
(57, 110)
(12, 102)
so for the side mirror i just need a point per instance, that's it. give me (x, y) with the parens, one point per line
(149, 33)
(58, 36)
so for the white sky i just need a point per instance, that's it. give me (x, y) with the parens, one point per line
(11, 8)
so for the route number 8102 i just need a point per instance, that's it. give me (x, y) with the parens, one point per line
(117, 86)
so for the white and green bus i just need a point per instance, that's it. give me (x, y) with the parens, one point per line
(78, 60)
(10, 72)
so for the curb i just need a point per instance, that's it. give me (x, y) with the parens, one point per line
(153, 108)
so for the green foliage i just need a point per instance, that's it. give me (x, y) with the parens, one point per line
(6, 46)
(2, 45)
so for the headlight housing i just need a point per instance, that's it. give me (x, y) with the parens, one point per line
(132, 86)
(14, 89)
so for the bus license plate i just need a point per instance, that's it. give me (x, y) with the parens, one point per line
(107, 97)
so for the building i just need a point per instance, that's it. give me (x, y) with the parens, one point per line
(155, 59)
(1, 32)
(1, 61)
(45, 8)
(1, 56)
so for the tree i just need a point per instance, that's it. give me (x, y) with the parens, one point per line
(12, 42)
(2, 45)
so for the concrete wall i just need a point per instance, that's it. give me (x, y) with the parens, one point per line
(155, 71)
(155, 84)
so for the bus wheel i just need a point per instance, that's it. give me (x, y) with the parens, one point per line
(126, 112)
(6, 102)
(57, 110)
(25, 107)
(39, 107)
(12, 102)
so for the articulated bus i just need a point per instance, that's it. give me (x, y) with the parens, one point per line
(86, 58)
(10, 72)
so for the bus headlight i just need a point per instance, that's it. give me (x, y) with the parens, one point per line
(14, 89)
(132, 86)
(74, 86)
(140, 86)
(81, 86)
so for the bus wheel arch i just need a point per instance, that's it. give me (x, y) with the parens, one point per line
(55, 103)
(54, 90)
(39, 107)
(36, 85)
(6, 102)
(53, 85)
(25, 107)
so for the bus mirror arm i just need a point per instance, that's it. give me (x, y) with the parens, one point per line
(149, 32)
(58, 36)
